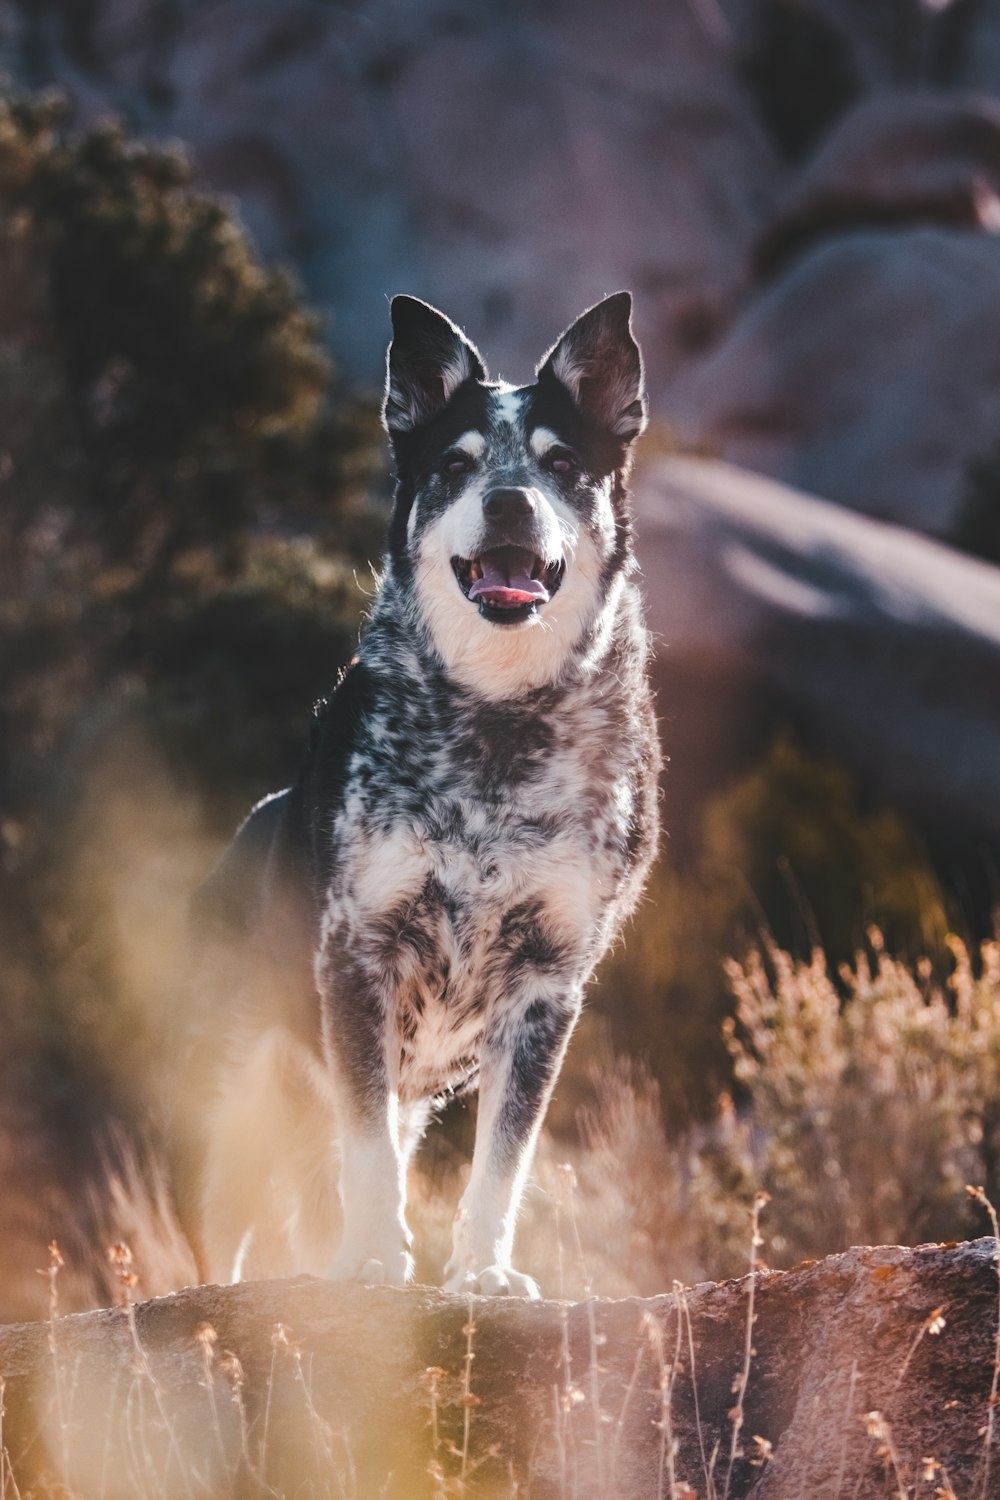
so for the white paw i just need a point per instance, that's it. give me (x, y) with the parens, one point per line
(494, 1281)
(392, 1269)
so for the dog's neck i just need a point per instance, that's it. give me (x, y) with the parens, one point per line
(396, 643)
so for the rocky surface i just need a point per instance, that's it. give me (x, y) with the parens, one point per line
(871, 1363)
(511, 164)
(516, 163)
(883, 644)
(869, 373)
(864, 367)
(894, 160)
(925, 42)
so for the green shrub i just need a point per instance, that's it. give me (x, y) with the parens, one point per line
(165, 402)
(186, 384)
(183, 524)
(787, 850)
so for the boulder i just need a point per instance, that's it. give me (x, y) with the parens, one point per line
(897, 159)
(513, 166)
(870, 1370)
(907, 43)
(868, 373)
(883, 645)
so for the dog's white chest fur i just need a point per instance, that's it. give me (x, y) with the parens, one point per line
(450, 908)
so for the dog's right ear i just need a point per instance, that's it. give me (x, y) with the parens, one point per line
(428, 359)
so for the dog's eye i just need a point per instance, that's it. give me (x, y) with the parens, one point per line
(457, 463)
(562, 463)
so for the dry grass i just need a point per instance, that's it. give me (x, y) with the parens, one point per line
(880, 1054)
(868, 1100)
(160, 1453)
(828, 1064)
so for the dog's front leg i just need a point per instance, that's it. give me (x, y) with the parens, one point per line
(375, 1247)
(375, 1244)
(519, 1065)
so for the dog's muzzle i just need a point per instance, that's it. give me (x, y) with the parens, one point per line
(509, 578)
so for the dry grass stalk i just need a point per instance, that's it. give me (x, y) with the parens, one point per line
(431, 1378)
(737, 1413)
(469, 1399)
(667, 1373)
(630, 1390)
(933, 1324)
(849, 1408)
(679, 1293)
(880, 1432)
(121, 1259)
(8, 1484)
(63, 1400)
(979, 1195)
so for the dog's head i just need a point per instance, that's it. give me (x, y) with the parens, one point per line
(510, 529)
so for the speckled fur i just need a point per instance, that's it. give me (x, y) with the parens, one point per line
(476, 813)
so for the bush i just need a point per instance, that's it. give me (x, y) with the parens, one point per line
(166, 401)
(187, 385)
(870, 1101)
(870, 1110)
(787, 850)
(183, 512)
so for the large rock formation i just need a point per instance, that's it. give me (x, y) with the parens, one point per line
(867, 1373)
(864, 368)
(926, 42)
(511, 164)
(514, 164)
(895, 160)
(883, 645)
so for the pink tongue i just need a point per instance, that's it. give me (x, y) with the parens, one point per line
(506, 584)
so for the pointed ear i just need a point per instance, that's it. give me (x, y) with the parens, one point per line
(428, 359)
(599, 363)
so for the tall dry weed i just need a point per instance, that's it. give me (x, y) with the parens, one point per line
(868, 1099)
(872, 1098)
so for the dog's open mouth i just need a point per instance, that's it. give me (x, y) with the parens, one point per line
(508, 583)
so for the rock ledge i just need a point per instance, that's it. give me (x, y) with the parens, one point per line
(869, 1358)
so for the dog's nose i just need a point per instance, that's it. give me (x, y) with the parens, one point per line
(508, 505)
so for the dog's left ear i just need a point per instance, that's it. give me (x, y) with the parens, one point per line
(598, 361)
(428, 359)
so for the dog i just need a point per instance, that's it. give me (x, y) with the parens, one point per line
(474, 818)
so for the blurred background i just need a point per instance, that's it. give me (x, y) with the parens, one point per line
(204, 207)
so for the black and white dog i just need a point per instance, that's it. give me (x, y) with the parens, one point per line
(474, 818)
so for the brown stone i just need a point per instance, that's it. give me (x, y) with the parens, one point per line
(866, 373)
(884, 645)
(511, 166)
(894, 160)
(868, 1359)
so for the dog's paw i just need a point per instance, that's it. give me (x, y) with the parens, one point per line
(397, 1270)
(494, 1281)
(392, 1269)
